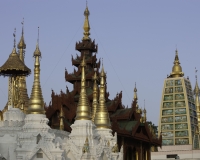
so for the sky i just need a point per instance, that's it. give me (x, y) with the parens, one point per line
(136, 39)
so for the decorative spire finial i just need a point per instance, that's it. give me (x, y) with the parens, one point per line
(83, 111)
(22, 26)
(36, 103)
(95, 94)
(14, 35)
(196, 73)
(86, 25)
(196, 93)
(37, 50)
(21, 45)
(135, 93)
(176, 69)
(102, 119)
(38, 35)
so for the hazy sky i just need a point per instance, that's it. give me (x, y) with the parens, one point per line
(136, 39)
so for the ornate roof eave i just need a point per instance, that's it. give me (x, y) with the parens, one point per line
(70, 77)
(116, 103)
(87, 45)
(133, 134)
(14, 66)
(77, 61)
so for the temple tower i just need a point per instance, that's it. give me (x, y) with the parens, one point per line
(88, 48)
(178, 118)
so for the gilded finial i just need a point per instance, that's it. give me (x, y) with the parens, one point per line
(145, 113)
(83, 111)
(37, 50)
(14, 52)
(196, 93)
(14, 35)
(176, 69)
(102, 119)
(135, 93)
(86, 25)
(36, 103)
(95, 94)
(21, 44)
(196, 89)
(61, 116)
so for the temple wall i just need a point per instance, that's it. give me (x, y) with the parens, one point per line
(7, 145)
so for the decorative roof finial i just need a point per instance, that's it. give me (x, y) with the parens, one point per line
(38, 35)
(22, 26)
(14, 35)
(144, 111)
(196, 93)
(37, 50)
(196, 73)
(21, 45)
(86, 25)
(176, 69)
(135, 93)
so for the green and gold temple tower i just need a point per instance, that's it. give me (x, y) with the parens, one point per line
(178, 117)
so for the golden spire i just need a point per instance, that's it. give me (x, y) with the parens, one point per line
(83, 111)
(196, 92)
(21, 45)
(86, 25)
(145, 113)
(102, 119)
(135, 93)
(176, 69)
(197, 104)
(95, 94)
(36, 103)
(61, 118)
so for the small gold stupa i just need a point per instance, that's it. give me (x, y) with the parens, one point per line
(36, 103)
